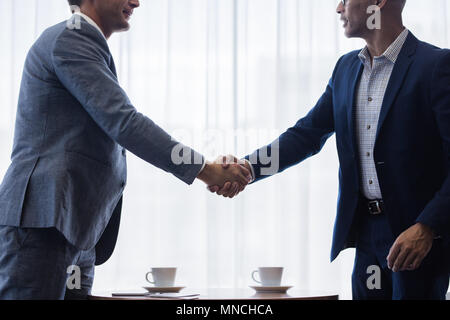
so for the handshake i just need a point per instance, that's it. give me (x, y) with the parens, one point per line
(227, 176)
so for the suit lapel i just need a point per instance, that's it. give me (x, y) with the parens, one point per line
(112, 66)
(103, 43)
(398, 76)
(354, 77)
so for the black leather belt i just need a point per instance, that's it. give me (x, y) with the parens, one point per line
(375, 207)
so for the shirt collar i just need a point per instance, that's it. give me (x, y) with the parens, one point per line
(91, 22)
(391, 52)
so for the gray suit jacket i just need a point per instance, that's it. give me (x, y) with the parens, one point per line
(73, 125)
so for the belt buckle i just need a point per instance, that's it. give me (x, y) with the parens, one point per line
(375, 207)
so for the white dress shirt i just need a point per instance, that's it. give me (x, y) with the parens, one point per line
(91, 22)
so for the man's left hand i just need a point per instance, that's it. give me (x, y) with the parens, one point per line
(410, 248)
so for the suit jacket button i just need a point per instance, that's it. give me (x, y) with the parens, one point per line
(123, 184)
(124, 152)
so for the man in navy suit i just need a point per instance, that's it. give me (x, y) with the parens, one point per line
(60, 200)
(389, 106)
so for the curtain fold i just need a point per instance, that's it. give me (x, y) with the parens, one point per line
(224, 76)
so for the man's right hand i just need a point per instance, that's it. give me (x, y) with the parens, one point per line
(234, 177)
(230, 189)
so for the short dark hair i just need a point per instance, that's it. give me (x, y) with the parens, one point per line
(75, 2)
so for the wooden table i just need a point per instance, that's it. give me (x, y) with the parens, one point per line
(230, 294)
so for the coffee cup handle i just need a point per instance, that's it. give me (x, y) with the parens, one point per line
(146, 277)
(253, 276)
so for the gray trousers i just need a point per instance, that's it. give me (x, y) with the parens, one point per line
(39, 264)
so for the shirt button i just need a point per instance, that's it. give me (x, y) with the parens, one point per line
(370, 181)
(368, 154)
(370, 99)
(369, 127)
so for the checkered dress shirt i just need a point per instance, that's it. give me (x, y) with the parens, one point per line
(369, 99)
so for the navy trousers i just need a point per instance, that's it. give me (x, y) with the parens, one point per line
(39, 264)
(374, 240)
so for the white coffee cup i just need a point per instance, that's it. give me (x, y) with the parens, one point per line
(162, 277)
(268, 276)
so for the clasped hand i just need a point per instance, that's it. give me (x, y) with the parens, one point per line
(226, 176)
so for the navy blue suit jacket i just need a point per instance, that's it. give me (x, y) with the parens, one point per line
(412, 149)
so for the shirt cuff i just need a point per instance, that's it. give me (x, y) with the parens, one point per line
(203, 167)
(251, 169)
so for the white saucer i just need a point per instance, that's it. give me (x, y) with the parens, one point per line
(271, 289)
(163, 289)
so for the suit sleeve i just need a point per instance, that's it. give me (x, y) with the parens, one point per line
(437, 213)
(83, 71)
(305, 139)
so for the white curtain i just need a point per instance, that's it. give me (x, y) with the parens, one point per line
(224, 76)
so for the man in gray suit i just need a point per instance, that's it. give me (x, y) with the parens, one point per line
(61, 197)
